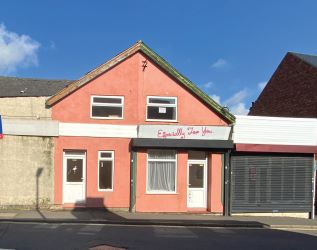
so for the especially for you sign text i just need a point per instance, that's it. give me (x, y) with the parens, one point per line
(184, 132)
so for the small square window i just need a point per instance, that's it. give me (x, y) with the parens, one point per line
(161, 108)
(107, 107)
(106, 155)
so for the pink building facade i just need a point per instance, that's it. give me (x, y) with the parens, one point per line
(135, 134)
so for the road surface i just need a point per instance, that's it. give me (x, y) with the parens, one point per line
(85, 236)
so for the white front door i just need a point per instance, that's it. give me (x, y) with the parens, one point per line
(74, 177)
(197, 184)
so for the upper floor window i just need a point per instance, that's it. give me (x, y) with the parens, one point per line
(161, 108)
(107, 107)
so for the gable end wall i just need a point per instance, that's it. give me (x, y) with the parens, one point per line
(291, 92)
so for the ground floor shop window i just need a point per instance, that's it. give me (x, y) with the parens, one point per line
(105, 170)
(161, 171)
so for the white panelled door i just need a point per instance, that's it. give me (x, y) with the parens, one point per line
(197, 184)
(74, 177)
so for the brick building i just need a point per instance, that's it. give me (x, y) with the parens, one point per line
(292, 89)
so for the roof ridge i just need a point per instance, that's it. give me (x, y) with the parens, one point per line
(33, 79)
(307, 58)
(304, 54)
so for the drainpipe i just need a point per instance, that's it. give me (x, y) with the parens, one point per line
(133, 165)
(227, 184)
(227, 178)
(312, 215)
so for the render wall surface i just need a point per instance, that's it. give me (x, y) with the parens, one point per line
(130, 81)
(26, 167)
(24, 107)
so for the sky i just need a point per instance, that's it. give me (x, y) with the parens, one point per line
(228, 48)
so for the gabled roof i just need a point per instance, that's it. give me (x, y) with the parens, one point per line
(29, 87)
(310, 59)
(170, 70)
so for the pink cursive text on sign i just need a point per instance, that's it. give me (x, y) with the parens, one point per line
(183, 133)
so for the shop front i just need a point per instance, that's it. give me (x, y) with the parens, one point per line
(272, 168)
(179, 168)
(272, 182)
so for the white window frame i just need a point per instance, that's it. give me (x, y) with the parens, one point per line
(106, 105)
(161, 105)
(112, 170)
(161, 160)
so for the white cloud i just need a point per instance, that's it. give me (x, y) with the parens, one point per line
(239, 109)
(216, 98)
(208, 85)
(52, 45)
(261, 85)
(236, 98)
(16, 51)
(220, 63)
(235, 103)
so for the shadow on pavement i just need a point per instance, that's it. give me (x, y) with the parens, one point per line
(38, 174)
(94, 210)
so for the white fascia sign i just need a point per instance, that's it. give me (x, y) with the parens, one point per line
(184, 132)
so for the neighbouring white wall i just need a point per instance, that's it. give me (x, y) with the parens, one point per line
(30, 127)
(275, 130)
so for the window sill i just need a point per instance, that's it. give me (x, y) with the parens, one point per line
(155, 120)
(105, 190)
(106, 118)
(163, 193)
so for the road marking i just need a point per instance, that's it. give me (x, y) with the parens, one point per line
(124, 225)
(42, 226)
(90, 228)
(7, 215)
(86, 233)
(296, 229)
(163, 226)
(170, 233)
(312, 232)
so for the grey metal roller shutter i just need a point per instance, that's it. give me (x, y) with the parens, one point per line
(271, 183)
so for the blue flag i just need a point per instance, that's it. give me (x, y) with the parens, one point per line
(1, 133)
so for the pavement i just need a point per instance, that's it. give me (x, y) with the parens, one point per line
(100, 216)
